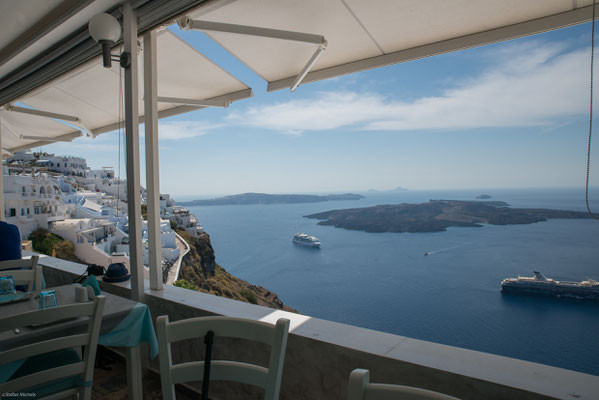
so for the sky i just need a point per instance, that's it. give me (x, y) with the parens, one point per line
(508, 115)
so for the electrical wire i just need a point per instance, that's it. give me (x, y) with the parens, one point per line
(586, 193)
(120, 101)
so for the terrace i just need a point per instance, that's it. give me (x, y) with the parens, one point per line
(53, 88)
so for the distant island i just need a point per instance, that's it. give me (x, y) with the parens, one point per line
(483, 196)
(264, 198)
(397, 189)
(436, 216)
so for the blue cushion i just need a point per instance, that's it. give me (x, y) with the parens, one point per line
(10, 245)
(47, 361)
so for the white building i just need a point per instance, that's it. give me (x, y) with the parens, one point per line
(184, 219)
(104, 173)
(31, 202)
(67, 165)
(95, 241)
(166, 202)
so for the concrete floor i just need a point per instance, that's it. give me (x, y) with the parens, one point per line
(110, 380)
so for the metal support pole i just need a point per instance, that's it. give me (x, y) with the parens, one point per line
(152, 169)
(134, 367)
(132, 143)
(208, 341)
(1, 177)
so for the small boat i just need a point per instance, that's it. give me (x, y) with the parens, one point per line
(306, 240)
(428, 253)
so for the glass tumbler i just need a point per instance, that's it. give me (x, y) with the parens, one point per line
(48, 299)
(7, 285)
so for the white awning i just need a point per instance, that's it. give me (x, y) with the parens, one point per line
(365, 34)
(89, 95)
(23, 131)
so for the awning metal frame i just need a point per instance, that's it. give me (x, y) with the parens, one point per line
(192, 102)
(187, 23)
(40, 140)
(47, 114)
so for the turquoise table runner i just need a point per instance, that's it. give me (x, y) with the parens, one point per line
(4, 298)
(134, 329)
(124, 324)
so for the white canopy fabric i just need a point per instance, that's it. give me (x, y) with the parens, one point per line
(15, 125)
(91, 93)
(365, 34)
(358, 34)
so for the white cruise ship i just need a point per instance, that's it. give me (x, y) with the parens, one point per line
(306, 240)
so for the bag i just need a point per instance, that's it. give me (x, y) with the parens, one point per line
(92, 269)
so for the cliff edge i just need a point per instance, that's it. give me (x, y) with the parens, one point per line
(200, 272)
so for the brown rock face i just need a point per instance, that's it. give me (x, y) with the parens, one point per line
(200, 272)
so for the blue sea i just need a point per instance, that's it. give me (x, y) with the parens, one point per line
(383, 281)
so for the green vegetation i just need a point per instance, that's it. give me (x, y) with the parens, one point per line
(182, 283)
(173, 225)
(249, 295)
(45, 242)
(144, 211)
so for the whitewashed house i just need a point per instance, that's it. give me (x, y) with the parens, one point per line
(31, 202)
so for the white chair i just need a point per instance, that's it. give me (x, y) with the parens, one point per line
(267, 378)
(53, 369)
(360, 388)
(25, 272)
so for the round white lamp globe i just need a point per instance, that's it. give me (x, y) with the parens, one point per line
(104, 27)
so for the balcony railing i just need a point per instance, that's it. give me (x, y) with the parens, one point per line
(321, 354)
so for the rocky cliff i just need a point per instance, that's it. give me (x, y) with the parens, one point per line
(200, 272)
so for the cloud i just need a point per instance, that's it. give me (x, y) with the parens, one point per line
(179, 130)
(528, 84)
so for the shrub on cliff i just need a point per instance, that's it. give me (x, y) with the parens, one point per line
(182, 283)
(44, 242)
(249, 295)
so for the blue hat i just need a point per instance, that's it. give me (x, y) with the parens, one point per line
(116, 272)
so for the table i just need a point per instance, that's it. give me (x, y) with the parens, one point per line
(125, 323)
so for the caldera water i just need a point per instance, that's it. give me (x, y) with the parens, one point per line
(452, 296)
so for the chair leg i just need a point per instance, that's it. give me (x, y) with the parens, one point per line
(85, 393)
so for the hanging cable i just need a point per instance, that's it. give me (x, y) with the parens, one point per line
(120, 102)
(586, 193)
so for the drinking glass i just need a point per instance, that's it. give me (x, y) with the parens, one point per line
(48, 299)
(7, 285)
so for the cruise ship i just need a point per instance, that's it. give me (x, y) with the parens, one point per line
(306, 240)
(541, 285)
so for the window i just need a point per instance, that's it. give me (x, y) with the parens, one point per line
(22, 211)
(13, 212)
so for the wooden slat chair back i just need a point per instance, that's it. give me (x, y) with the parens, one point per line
(25, 272)
(360, 388)
(84, 368)
(267, 378)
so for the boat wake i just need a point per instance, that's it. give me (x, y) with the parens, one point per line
(430, 253)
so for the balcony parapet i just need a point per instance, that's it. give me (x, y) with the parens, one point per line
(321, 354)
